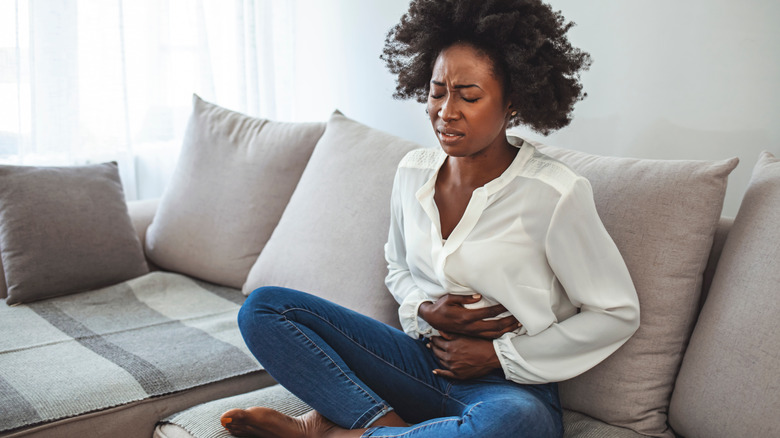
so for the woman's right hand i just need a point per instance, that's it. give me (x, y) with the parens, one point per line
(448, 314)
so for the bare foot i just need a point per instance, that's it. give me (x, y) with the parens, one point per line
(268, 423)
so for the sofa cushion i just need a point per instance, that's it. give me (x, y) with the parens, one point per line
(202, 421)
(3, 288)
(161, 333)
(65, 230)
(662, 216)
(331, 237)
(578, 425)
(141, 214)
(234, 176)
(728, 382)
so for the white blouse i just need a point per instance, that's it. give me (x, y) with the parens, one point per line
(531, 240)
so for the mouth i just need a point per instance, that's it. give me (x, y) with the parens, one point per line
(449, 136)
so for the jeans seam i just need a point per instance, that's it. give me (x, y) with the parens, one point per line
(415, 428)
(386, 410)
(371, 352)
(377, 404)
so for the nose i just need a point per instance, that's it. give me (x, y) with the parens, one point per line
(449, 109)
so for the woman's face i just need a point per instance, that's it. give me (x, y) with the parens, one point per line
(466, 102)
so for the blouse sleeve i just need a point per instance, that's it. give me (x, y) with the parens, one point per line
(399, 280)
(591, 270)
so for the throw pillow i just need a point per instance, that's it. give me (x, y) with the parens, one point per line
(330, 240)
(662, 216)
(65, 230)
(732, 360)
(233, 179)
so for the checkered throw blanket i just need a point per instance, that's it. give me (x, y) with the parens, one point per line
(146, 337)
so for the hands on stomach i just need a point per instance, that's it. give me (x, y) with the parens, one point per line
(465, 345)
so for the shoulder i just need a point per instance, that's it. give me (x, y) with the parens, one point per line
(550, 171)
(425, 159)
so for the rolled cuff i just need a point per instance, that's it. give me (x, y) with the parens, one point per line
(510, 362)
(408, 312)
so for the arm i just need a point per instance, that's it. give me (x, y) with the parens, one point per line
(399, 280)
(591, 270)
(449, 314)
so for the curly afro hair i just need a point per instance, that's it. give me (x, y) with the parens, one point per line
(525, 39)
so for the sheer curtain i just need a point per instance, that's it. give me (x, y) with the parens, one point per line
(91, 81)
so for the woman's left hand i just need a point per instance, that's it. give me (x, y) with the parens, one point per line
(463, 357)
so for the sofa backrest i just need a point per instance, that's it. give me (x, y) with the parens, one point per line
(330, 239)
(232, 181)
(722, 232)
(728, 382)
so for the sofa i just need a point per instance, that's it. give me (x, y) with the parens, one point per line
(119, 318)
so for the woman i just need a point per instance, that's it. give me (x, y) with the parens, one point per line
(493, 248)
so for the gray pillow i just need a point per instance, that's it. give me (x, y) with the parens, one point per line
(234, 177)
(728, 382)
(330, 240)
(65, 230)
(662, 215)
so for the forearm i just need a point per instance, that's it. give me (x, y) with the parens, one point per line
(566, 349)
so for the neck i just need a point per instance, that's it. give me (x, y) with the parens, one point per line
(477, 170)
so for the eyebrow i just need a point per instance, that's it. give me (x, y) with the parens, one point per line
(442, 84)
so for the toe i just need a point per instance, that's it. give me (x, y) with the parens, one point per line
(231, 416)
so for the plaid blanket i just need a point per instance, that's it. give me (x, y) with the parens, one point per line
(146, 337)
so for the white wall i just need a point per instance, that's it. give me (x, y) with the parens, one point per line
(671, 79)
(337, 66)
(678, 79)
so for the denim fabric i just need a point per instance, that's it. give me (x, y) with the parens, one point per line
(353, 370)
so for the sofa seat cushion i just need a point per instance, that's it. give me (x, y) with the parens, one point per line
(157, 334)
(202, 421)
(330, 239)
(662, 215)
(233, 179)
(728, 382)
(139, 418)
(65, 230)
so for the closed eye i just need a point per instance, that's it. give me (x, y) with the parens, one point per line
(433, 96)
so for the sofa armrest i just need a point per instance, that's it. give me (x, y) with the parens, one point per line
(141, 213)
(721, 233)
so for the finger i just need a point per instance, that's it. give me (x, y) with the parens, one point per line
(493, 311)
(473, 315)
(436, 341)
(496, 325)
(437, 349)
(495, 335)
(447, 336)
(508, 323)
(512, 327)
(441, 356)
(445, 373)
(462, 299)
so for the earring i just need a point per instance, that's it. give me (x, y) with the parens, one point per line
(514, 113)
(426, 110)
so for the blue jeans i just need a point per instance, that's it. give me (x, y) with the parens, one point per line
(353, 370)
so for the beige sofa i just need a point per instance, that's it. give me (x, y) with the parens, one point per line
(256, 202)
